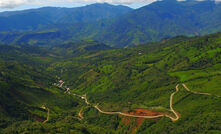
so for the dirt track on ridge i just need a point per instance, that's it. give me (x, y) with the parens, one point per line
(174, 118)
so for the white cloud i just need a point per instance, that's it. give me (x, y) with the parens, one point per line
(15, 3)
(11, 3)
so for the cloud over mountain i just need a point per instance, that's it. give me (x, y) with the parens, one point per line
(15, 3)
(11, 3)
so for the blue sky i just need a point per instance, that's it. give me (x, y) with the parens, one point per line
(11, 5)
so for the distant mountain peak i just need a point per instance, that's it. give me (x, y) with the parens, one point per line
(100, 4)
(105, 4)
(170, 0)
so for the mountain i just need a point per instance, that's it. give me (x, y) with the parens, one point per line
(139, 80)
(116, 26)
(84, 71)
(34, 19)
(163, 19)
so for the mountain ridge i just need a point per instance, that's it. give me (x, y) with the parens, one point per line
(55, 15)
(154, 22)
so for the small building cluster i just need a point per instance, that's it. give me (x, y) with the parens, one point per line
(60, 83)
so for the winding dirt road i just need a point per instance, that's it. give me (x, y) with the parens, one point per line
(136, 116)
(195, 92)
(200, 93)
(128, 115)
(48, 113)
(171, 106)
(80, 114)
(174, 118)
(84, 97)
(149, 117)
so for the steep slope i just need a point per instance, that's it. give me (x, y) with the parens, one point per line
(134, 80)
(119, 26)
(40, 18)
(163, 19)
(28, 98)
(78, 48)
(144, 77)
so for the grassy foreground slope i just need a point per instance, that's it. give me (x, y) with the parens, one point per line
(122, 80)
(145, 76)
(26, 94)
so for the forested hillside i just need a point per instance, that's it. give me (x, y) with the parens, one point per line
(116, 26)
(165, 19)
(138, 80)
(42, 18)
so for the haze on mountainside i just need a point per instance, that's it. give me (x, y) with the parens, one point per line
(116, 26)
(106, 68)
(10, 5)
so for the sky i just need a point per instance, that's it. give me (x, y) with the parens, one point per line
(11, 5)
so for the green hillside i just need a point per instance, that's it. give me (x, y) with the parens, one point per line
(116, 26)
(164, 19)
(42, 18)
(118, 80)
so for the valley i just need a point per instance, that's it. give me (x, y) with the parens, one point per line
(140, 85)
(111, 69)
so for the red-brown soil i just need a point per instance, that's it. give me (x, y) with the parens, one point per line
(139, 121)
(145, 112)
(126, 120)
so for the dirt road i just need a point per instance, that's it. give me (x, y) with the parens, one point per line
(80, 114)
(48, 113)
(128, 115)
(171, 106)
(194, 91)
(84, 97)
(173, 118)
(150, 117)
